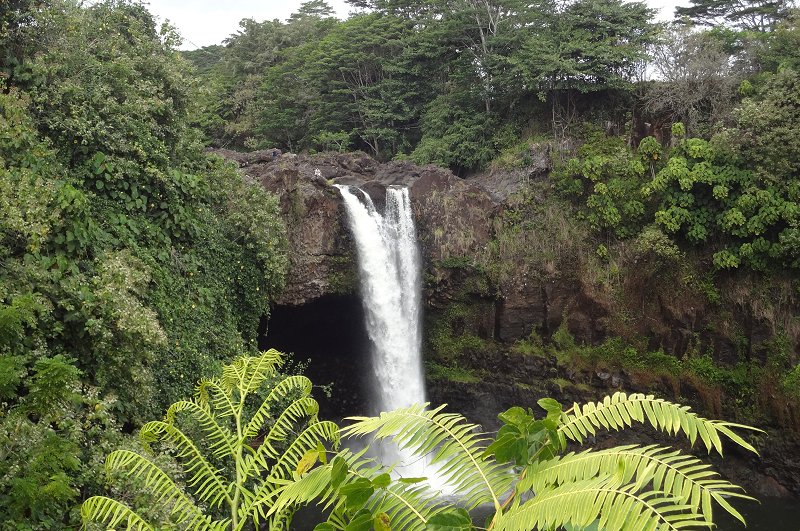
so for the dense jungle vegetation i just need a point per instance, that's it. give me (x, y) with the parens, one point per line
(134, 263)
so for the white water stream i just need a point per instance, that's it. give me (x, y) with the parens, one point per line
(389, 272)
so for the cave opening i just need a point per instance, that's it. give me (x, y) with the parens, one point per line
(329, 334)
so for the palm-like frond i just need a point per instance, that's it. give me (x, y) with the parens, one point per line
(286, 465)
(456, 449)
(408, 507)
(621, 410)
(684, 477)
(247, 373)
(308, 487)
(315, 485)
(209, 485)
(167, 494)
(288, 386)
(212, 393)
(252, 478)
(113, 513)
(605, 501)
(305, 407)
(307, 440)
(222, 441)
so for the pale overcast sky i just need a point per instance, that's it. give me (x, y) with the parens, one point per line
(204, 22)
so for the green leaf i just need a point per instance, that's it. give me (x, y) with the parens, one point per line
(382, 481)
(515, 415)
(412, 480)
(550, 405)
(361, 522)
(452, 520)
(324, 526)
(357, 493)
(381, 522)
(338, 471)
(506, 448)
(307, 461)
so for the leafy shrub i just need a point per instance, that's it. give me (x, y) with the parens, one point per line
(258, 430)
(608, 178)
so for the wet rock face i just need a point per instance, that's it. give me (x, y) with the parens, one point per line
(451, 214)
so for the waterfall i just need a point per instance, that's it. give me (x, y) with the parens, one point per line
(389, 272)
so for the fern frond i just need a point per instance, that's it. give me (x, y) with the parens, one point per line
(684, 477)
(222, 441)
(247, 373)
(212, 393)
(167, 494)
(307, 440)
(315, 484)
(305, 407)
(105, 510)
(456, 449)
(603, 500)
(286, 388)
(621, 410)
(285, 467)
(207, 482)
(408, 507)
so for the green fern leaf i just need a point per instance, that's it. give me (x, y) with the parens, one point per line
(247, 373)
(603, 501)
(222, 441)
(307, 440)
(305, 407)
(408, 506)
(208, 484)
(212, 393)
(681, 476)
(621, 410)
(167, 493)
(455, 448)
(292, 385)
(283, 470)
(113, 513)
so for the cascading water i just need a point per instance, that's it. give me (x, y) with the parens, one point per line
(389, 270)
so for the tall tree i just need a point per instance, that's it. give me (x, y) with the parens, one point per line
(367, 81)
(697, 79)
(586, 46)
(752, 15)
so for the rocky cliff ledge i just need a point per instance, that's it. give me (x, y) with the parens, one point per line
(452, 215)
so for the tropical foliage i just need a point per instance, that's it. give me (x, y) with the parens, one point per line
(241, 437)
(524, 473)
(132, 262)
(450, 82)
(115, 226)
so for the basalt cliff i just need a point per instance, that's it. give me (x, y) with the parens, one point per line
(521, 302)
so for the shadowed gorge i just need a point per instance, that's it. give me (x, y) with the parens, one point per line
(337, 352)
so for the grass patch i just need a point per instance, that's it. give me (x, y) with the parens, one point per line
(530, 346)
(451, 333)
(438, 372)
